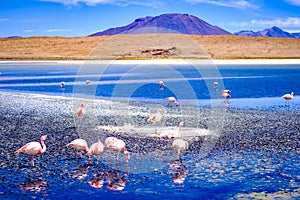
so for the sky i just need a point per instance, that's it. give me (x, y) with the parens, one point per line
(72, 18)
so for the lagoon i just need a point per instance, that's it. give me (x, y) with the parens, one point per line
(253, 151)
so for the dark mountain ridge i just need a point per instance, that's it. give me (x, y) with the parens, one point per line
(167, 23)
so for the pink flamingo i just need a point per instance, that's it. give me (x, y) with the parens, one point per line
(156, 117)
(288, 96)
(175, 133)
(87, 82)
(79, 145)
(216, 85)
(161, 83)
(180, 145)
(172, 100)
(96, 149)
(225, 95)
(118, 145)
(81, 110)
(33, 148)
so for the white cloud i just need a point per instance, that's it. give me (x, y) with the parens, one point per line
(293, 2)
(288, 22)
(152, 3)
(4, 19)
(57, 30)
(28, 31)
(228, 3)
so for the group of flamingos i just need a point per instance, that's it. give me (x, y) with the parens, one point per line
(111, 143)
(115, 144)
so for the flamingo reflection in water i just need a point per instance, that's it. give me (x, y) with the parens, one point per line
(98, 180)
(34, 185)
(116, 180)
(181, 171)
(81, 172)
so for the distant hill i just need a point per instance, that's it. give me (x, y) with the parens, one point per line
(12, 37)
(167, 23)
(271, 32)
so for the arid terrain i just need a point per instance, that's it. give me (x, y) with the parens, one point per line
(148, 46)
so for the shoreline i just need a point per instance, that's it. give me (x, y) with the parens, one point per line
(160, 62)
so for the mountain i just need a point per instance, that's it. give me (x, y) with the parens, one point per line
(271, 32)
(167, 23)
(296, 35)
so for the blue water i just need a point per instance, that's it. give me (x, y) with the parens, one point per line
(220, 176)
(257, 85)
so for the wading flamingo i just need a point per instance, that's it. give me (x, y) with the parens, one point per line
(288, 96)
(81, 110)
(62, 84)
(96, 149)
(180, 145)
(225, 95)
(156, 117)
(79, 145)
(87, 82)
(33, 148)
(176, 132)
(117, 145)
(161, 83)
(216, 85)
(172, 100)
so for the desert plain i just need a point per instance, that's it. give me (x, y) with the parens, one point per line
(149, 46)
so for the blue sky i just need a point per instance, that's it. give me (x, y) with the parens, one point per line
(71, 18)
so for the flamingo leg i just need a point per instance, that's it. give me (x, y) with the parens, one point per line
(32, 161)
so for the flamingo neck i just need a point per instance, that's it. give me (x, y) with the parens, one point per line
(43, 146)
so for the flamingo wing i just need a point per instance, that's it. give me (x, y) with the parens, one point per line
(30, 148)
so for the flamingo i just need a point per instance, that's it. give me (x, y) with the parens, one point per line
(161, 83)
(81, 110)
(226, 91)
(216, 85)
(118, 145)
(172, 100)
(79, 145)
(96, 149)
(33, 148)
(288, 96)
(225, 95)
(180, 145)
(175, 133)
(62, 84)
(156, 117)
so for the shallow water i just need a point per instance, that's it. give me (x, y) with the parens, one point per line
(256, 148)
